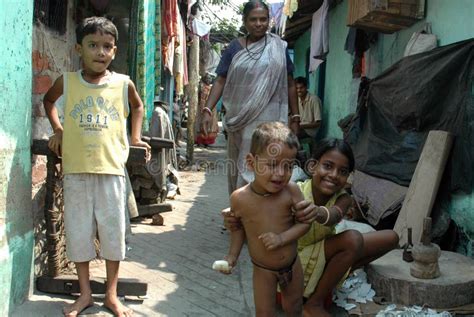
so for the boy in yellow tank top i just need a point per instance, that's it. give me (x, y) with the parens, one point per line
(94, 147)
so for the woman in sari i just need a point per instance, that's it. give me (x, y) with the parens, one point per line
(256, 84)
(210, 136)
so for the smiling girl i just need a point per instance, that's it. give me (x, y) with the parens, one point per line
(327, 257)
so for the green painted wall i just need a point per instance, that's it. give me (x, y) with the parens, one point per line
(451, 21)
(145, 59)
(338, 71)
(16, 227)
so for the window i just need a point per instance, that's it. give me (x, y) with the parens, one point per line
(52, 13)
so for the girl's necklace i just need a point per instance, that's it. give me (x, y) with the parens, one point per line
(257, 193)
(257, 54)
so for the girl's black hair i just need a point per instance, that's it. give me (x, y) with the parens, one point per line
(95, 24)
(340, 145)
(252, 4)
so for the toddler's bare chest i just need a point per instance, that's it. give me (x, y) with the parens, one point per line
(272, 217)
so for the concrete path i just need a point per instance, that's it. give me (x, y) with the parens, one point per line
(175, 259)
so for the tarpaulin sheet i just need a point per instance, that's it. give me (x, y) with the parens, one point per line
(427, 91)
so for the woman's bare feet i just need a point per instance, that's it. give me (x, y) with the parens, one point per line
(116, 306)
(78, 306)
(310, 310)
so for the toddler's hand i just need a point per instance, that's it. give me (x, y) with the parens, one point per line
(231, 222)
(55, 142)
(232, 260)
(270, 240)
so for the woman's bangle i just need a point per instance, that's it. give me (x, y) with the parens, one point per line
(207, 109)
(295, 117)
(327, 214)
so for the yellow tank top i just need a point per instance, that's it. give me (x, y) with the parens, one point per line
(95, 133)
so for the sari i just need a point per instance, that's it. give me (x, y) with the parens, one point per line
(311, 245)
(256, 91)
(210, 138)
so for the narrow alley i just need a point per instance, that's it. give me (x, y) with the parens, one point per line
(379, 94)
(175, 259)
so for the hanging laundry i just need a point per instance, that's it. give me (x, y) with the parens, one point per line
(170, 14)
(200, 28)
(276, 11)
(290, 7)
(178, 63)
(357, 42)
(319, 37)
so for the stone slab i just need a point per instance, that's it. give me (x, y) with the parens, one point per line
(390, 277)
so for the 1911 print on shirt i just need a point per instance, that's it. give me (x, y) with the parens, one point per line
(95, 137)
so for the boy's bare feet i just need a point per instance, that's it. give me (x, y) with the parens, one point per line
(315, 310)
(78, 306)
(116, 306)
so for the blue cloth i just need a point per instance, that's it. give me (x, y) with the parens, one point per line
(233, 48)
(219, 105)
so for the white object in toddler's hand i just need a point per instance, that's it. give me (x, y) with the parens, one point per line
(221, 266)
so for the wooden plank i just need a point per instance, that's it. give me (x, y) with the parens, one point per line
(68, 284)
(40, 147)
(150, 210)
(386, 17)
(424, 185)
(158, 143)
(136, 155)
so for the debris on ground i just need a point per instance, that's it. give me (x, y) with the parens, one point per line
(392, 310)
(354, 288)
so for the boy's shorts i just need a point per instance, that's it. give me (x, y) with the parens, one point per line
(94, 203)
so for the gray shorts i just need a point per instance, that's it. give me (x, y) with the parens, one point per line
(94, 203)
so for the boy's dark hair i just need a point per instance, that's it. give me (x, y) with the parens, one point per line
(92, 25)
(301, 80)
(272, 132)
(252, 4)
(340, 145)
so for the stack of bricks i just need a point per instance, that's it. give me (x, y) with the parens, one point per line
(42, 81)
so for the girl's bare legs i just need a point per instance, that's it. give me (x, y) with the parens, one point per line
(342, 251)
(292, 295)
(346, 250)
(264, 292)
(376, 244)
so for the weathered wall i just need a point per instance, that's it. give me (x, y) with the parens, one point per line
(16, 228)
(451, 21)
(52, 55)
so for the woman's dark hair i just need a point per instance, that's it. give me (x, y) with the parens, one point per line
(252, 4)
(340, 145)
(92, 25)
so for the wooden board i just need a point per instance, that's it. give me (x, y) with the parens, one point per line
(68, 284)
(424, 185)
(137, 155)
(386, 16)
(150, 210)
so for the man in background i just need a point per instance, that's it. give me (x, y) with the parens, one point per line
(309, 109)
